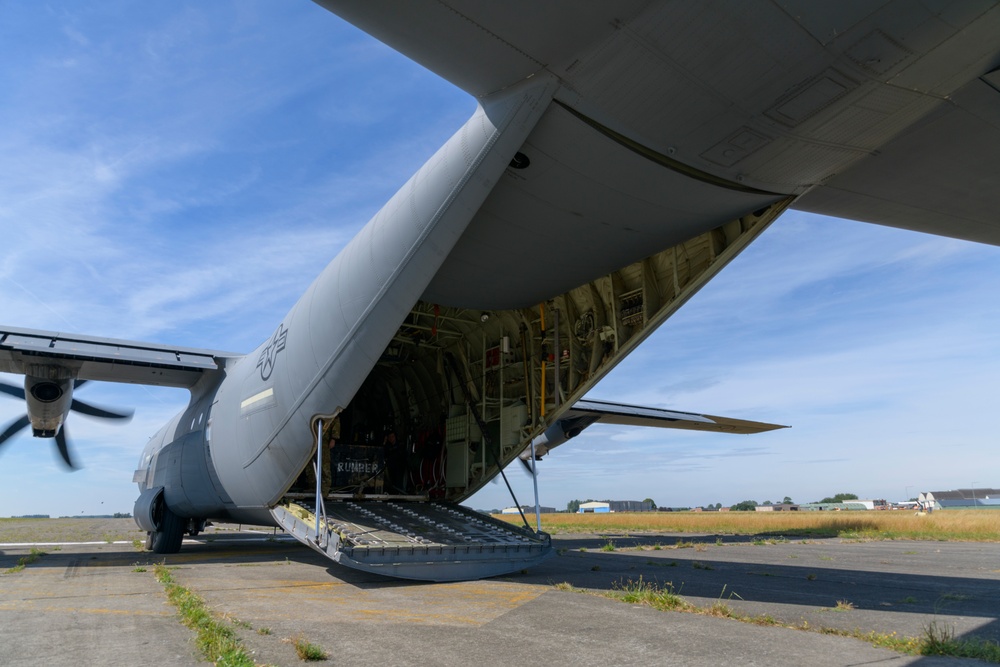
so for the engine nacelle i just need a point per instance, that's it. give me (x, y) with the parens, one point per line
(48, 402)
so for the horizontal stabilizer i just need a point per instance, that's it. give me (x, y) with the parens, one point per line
(634, 415)
(587, 412)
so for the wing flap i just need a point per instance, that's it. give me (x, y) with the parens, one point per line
(106, 359)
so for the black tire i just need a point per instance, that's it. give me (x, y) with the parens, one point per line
(167, 540)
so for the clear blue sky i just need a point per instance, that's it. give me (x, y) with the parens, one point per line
(179, 172)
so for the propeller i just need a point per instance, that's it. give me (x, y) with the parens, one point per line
(61, 438)
(527, 465)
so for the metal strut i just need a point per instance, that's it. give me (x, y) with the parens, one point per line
(320, 506)
(486, 438)
(534, 481)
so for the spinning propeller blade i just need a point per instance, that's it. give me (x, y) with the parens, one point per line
(94, 411)
(63, 446)
(13, 428)
(15, 391)
(61, 437)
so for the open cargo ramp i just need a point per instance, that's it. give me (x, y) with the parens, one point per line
(414, 540)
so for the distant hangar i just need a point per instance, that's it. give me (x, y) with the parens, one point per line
(959, 498)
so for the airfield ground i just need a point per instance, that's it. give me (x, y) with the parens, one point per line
(100, 603)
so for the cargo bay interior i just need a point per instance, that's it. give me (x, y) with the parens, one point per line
(458, 393)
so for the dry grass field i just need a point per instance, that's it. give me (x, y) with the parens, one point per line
(961, 525)
(68, 530)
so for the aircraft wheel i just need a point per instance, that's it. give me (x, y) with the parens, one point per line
(149, 541)
(167, 540)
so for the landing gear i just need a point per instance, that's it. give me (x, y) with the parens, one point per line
(195, 526)
(167, 540)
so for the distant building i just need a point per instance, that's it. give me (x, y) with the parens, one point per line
(528, 509)
(850, 505)
(616, 506)
(778, 507)
(631, 505)
(594, 508)
(959, 498)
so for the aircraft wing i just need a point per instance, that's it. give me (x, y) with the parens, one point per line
(938, 177)
(107, 359)
(885, 112)
(634, 415)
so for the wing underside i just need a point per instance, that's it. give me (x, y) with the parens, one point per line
(37, 353)
(885, 112)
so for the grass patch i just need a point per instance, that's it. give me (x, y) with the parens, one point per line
(33, 556)
(891, 640)
(237, 622)
(608, 546)
(956, 597)
(664, 597)
(216, 641)
(937, 640)
(308, 652)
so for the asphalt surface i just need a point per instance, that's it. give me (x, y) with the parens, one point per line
(100, 604)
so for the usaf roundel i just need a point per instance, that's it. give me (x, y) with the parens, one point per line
(269, 355)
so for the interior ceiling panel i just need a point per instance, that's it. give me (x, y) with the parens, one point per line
(584, 206)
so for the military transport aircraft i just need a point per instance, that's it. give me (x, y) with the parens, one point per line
(651, 142)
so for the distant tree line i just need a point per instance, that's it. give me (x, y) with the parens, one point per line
(839, 498)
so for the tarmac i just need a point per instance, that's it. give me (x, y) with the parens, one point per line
(100, 603)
